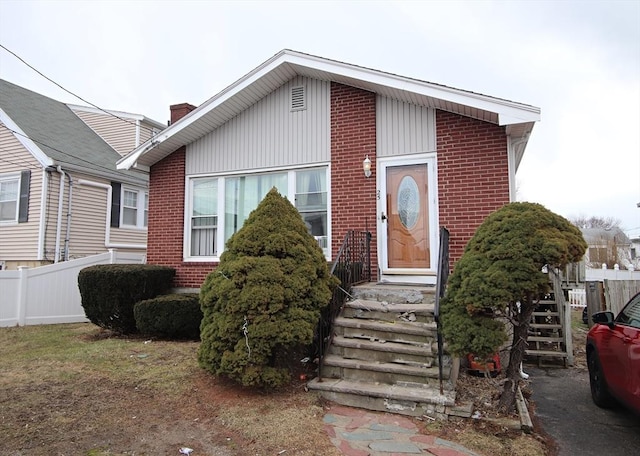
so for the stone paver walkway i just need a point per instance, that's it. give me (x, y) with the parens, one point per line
(358, 432)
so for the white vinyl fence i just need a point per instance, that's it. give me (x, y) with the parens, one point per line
(578, 298)
(50, 294)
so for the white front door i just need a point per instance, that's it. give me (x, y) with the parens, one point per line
(407, 219)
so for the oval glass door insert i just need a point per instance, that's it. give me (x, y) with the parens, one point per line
(408, 202)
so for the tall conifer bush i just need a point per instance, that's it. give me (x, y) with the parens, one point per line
(263, 301)
(500, 276)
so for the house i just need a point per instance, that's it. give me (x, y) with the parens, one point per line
(353, 148)
(61, 196)
(609, 247)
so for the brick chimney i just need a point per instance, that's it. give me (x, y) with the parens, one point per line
(178, 111)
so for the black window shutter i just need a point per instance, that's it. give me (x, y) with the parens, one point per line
(115, 204)
(23, 210)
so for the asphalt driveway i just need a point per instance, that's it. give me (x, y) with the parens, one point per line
(563, 405)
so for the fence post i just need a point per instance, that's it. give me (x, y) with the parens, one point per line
(112, 256)
(21, 311)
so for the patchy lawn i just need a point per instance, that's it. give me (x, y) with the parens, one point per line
(78, 390)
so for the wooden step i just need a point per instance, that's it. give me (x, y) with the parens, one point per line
(550, 353)
(544, 339)
(546, 314)
(545, 326)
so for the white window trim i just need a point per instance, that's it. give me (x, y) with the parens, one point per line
(143, 195)
(291, 191)
(7, 178)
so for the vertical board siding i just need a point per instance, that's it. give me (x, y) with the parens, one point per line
(404, 128)
(20, 241)
(119, 134)
(268, 134)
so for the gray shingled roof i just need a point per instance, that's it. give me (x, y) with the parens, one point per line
(62, 135)
(596, 236)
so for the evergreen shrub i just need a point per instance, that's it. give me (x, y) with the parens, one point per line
(171, 316)
(263, 302)
(109, 292)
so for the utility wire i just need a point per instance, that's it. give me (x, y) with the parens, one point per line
(70, 92)
(21, 165)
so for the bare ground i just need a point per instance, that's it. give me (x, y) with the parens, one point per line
(97, 394)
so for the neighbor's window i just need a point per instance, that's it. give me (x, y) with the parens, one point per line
(241, 194)
(134, 208)
(9, 198)
(204, 217)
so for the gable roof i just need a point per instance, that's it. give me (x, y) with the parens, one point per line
(282, 67)
(601, 236)
(56, 136)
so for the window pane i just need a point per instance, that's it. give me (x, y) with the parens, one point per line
(311, 190)
(204, 219)
(9, 190)
(146, 209)
(129, 216)
(205, 197)
(244, 193)
(129, 208)
(8, 200)
(130, 199)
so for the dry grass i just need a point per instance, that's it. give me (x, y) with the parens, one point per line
(77, 390)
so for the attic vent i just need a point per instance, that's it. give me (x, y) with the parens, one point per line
(298, 99)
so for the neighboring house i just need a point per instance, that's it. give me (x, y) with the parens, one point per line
(61, 196)
(609, 247)
(439, 156)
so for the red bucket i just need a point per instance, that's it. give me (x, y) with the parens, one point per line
(478, 366)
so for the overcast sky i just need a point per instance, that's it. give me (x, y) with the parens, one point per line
(577, 61)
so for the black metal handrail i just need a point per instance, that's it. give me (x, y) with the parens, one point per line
(351, 266)
(441, 285)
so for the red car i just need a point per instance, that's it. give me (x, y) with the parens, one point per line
(613, 357)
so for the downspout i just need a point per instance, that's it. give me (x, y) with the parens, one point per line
(107, 229)
(68, 234)
(44, 209)
(60, 204)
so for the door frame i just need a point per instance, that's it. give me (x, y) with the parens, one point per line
(407, 275)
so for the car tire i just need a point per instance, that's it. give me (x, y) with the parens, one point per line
(599, 390)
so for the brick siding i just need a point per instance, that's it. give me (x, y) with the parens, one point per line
(166, 221)
(353, 136)
(473, 176)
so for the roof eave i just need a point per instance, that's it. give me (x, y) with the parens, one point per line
(505, 112)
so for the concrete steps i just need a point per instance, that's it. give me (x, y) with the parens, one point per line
(384, 354)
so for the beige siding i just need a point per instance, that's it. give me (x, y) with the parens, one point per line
(88, 220)
(20, 241)
(146, 131)
(269, 134)
(119, 134)
(128, 236)
(403, 128)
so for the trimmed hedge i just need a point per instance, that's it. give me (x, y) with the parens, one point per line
(109, 292)
(172, 316)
